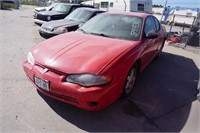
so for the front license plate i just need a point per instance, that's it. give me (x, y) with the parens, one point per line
(44, 84)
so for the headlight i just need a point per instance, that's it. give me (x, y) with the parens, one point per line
(30, 58)
(48, 18)
(35, 16)
(89, 80)
(60, 30)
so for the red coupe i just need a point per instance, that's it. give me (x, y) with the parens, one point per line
(95, 65)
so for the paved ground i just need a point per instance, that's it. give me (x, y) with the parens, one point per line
(164, 98)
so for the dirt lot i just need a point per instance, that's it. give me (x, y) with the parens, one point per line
(164, 98)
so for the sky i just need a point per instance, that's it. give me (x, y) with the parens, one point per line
(181, 3)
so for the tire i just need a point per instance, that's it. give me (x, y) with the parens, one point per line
(43, 35)
(160, 50)
(130, 81)
(184, 39)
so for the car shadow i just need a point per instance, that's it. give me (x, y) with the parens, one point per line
(161, 101)
(6, 9)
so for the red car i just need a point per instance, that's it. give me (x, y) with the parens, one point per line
(95, 65)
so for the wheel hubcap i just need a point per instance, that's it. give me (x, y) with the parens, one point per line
(184, 39)
(130, 81)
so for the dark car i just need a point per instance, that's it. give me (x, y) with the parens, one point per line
(60, 11)
(70, 23)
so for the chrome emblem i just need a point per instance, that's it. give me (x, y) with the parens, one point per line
(45, 70)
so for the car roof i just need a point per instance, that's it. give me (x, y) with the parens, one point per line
(68, 3)
(138, 14)
(89, 9)
(74, 4)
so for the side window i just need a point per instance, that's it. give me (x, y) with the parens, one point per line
(157, 24)
(73, 8)
(140, 7)
(94, 14)
(149, 25)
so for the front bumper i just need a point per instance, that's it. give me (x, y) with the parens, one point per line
(40, 22)
(92, 98)
(46, 34)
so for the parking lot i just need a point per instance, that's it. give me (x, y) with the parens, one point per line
(164, 98)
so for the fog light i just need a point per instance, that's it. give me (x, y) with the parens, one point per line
(93, 103)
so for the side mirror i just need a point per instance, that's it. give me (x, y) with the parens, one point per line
(151, 35)
(80, 25)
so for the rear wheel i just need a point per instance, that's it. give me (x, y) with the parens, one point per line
(184, 39)
(130, 81)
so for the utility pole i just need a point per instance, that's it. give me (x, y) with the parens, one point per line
(94, 3)
(163, 10)
(125, 5)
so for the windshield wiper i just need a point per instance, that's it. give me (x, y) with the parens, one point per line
(70, 19)
(100, 34)
(82, 30)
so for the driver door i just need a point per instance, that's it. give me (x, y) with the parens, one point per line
(149, 45)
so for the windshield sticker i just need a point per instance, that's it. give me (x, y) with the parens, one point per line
(135, 29)
(136, 26)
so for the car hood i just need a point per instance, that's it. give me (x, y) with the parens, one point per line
(39, 9)
(50, 13)
(76, 52)
(60, 23)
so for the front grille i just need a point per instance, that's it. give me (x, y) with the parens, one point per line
(52, 70)
(41, 17)
(71, 99)
(67, 98)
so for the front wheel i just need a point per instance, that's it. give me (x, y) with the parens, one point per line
(130, 81)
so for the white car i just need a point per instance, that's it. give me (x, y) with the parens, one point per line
(47, 8)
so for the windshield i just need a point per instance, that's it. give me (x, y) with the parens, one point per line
(53, 5)
(61, 8)
(79, 15)
(114, 26)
